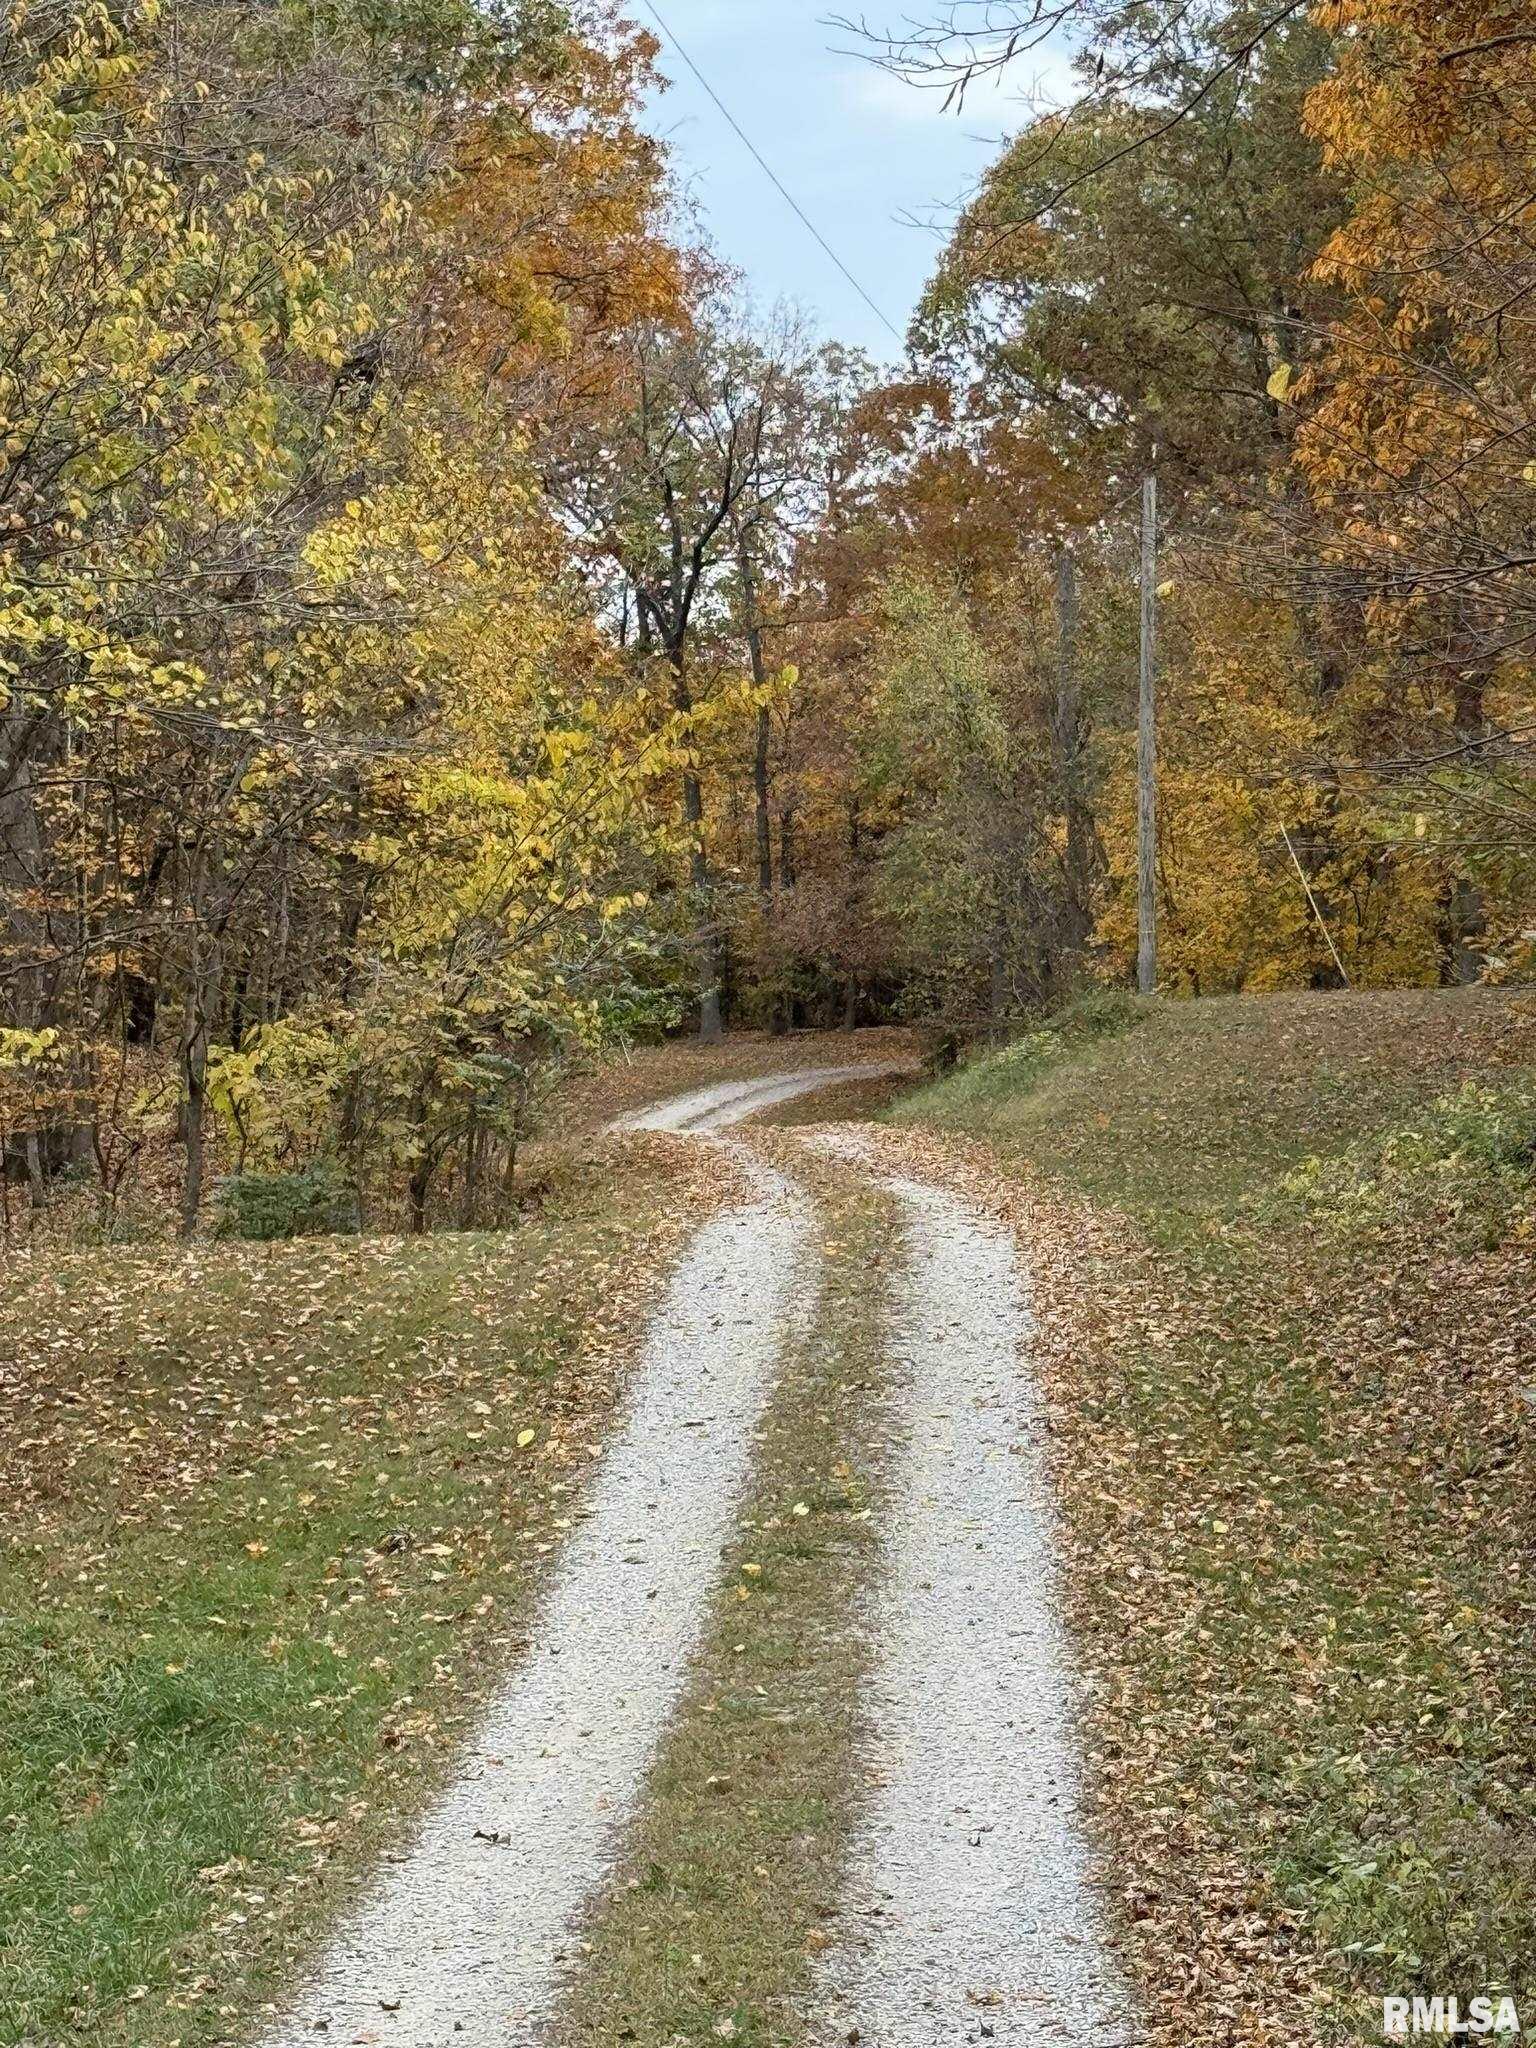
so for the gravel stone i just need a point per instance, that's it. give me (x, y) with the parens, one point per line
(970, 1913)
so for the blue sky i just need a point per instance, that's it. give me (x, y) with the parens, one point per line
(866, 155)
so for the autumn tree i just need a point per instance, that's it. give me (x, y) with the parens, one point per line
(668, 489)
(268, 648)
(1416, 426)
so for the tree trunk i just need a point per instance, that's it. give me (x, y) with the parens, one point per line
(760, 779)
(711, 1019)
(471, 1201)
(711, 1014)
(997, 981)
(1467, 918)
(24, 744)
(787, 849)
(28, 742)
(196, 1032)
(32, 1146)
(760, 795)
(192, 1157)
(1077, 867)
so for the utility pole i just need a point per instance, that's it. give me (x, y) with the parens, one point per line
(1146, 749)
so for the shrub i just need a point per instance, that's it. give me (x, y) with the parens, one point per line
(1470, 1157)
(262, 1207)
(1012, 1072)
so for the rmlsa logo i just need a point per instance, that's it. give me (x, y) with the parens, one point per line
(1401, 2017)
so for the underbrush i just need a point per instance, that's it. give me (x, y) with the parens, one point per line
(1001, 1076)
(1190, 1114)
(1465, 1164)
(262, 1208)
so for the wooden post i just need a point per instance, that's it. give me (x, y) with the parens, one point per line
(1146, 749)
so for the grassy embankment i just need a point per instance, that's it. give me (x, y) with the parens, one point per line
(1285, 1249)
(273, 1518)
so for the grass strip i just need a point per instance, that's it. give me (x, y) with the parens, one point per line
(731, 1871)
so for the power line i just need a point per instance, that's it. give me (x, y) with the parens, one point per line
(773, 177)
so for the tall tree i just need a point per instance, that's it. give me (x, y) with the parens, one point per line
(664, 486)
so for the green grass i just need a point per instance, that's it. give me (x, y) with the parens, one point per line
(1288, 1370)
(735, 1857)
(270, 1535)
(1200, 1114)
(1469, 1157)
(997, 1082)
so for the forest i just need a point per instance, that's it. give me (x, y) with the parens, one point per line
(767, 1130)
(446, 631)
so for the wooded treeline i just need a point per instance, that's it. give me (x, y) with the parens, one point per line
(441, 634)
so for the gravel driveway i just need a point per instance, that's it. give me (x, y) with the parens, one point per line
(968, 1913)
(732, 1102)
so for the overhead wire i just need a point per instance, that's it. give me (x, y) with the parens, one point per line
(773, 177)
